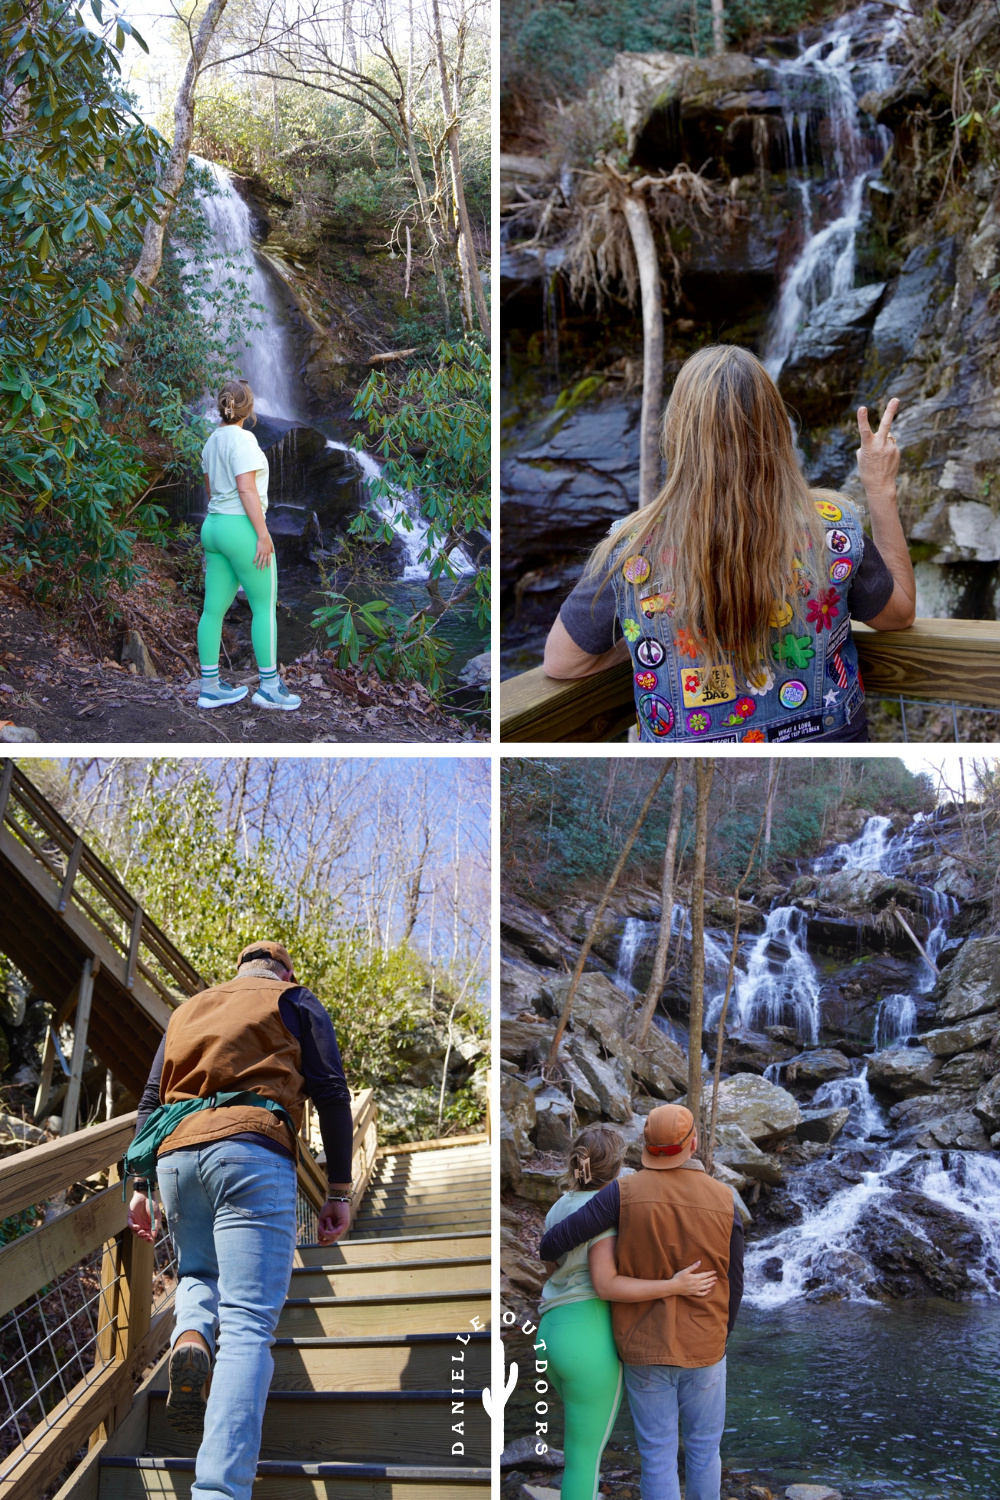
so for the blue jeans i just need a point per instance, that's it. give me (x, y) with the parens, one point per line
(231, 1211)
(658, 1395)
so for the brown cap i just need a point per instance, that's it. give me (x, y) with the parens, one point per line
(266, 950)
(668, 1132)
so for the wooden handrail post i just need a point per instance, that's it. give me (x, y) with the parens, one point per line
(72, 865)
(126, 1306)
(72, 1102)
(5, 784)
(133, 947)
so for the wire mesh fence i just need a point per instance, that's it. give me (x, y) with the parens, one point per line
(928, 721)
(51, 1350)
(306, 1220)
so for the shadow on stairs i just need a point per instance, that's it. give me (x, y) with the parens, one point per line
(367, 1358)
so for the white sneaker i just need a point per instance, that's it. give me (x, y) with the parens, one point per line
(214, 697)
(276, 696)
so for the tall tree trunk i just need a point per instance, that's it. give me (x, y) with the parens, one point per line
(768, 812)
(637, 219)
(553, 1054)
(718, 27)
(458, 182)
(666, 906)
(708, 1154)
(427, 215)
(704, 770)
(150, 260)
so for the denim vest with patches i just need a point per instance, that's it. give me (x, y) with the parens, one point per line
(809, 686)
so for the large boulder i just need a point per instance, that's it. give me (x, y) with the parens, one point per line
(904, 1071)
(523, 1270)
(937, 1121)
(524, 1042)
(822, 1125)
(962, 1037)
(601, 1009)
(555, 1121)
(541, 1180)
(818, 1066)
(604, 1078)
(534, 933)
(517, 1101)
(761, 1109)
(962, 1074)
(970, 984)
(734, 1149)
(987, 1105)
(520, 987)
(510, 1160)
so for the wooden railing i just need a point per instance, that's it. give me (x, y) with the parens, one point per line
(83, 886)
(951, 660)
(128, 1334)
(131, 1332)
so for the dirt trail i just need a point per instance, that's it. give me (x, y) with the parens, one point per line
(48, 685)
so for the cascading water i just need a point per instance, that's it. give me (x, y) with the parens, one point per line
(265, 360)
(895, 1020)
(868, 851)
(633, 939)
(819, 90)
(780, 984)
(867, 1118)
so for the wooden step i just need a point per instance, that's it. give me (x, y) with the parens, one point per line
(433, 1179)
(403, 1188)
(416, 1219)
(358, 1427)
(170, 1479)
(356, 1317)
(396, 1276)
(411, 1362)
(396, 1247)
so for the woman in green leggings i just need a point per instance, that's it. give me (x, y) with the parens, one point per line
(238, 550)
(575, 1326)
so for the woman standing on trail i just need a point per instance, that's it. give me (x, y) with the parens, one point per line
(574, 1329)
(733, 591)
(238, 550)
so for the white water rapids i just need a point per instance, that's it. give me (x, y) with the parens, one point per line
(820, 89)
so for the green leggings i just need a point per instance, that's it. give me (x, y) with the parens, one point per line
(586, 1372)
(230, 544)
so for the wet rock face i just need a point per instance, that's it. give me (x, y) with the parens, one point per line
(820, 377)
(970, 984)
(904, 1071)
(919, 1247)
(816, 1067)
(761, 1109)
(564, 486)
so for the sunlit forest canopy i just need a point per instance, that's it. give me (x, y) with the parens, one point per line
(374, 875)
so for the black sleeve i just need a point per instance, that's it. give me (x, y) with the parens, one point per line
(872, 585)
(735, 1270)
(588, 614)
(151, 1093)
(592, 1219)
(323, 1072)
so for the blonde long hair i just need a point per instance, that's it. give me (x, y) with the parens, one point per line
(729, 535)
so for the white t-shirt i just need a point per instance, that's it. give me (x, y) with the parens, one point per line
(570, 1281)
(231, 451)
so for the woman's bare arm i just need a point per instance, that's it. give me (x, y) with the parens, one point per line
(564, 659)
(246, 484)
(878, 465)
(614, 1288)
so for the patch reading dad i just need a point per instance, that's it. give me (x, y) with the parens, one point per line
(704, 686)
(796, 729)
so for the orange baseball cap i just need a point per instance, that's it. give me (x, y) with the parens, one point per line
(668, 1131)
(266, 950)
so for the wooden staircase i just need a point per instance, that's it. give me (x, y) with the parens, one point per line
(370, 1379)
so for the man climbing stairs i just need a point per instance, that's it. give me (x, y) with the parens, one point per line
(381, 1354)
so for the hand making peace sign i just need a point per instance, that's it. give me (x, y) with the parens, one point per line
(878, 456)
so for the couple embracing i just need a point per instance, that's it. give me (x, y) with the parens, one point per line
(645, 1284)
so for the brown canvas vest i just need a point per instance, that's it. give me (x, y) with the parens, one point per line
(670, 1219)
(227, 1038)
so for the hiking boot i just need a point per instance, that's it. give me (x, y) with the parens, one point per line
(276, 695)
(189, 1369)
(220, 693)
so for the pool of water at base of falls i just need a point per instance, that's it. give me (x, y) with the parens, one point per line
(889, 1402)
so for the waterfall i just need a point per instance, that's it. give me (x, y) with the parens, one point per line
(867, 852)
(784, 1266)
(267, 362)
(774, 984)
(630, 946)
(895, 1020)
(827, 78)
(866, 1118)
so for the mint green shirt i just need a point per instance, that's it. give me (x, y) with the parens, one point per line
(570, 1281)
(230, 451)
